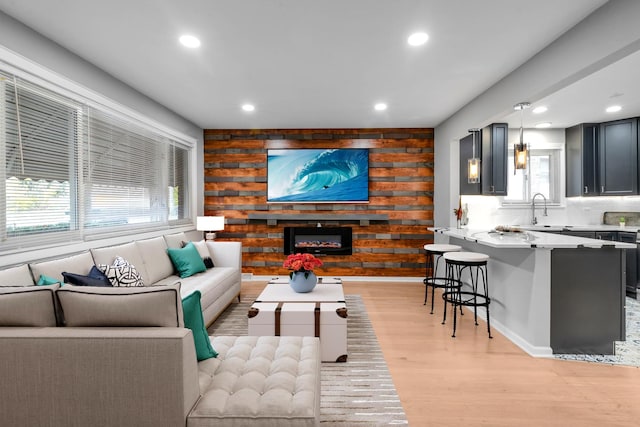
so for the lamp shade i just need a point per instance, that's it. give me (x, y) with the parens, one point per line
(210, 223)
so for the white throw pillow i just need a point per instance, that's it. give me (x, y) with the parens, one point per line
(121, 273)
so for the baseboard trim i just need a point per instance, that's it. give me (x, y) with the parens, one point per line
(251, 277)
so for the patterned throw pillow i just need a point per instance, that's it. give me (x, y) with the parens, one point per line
(121, 273)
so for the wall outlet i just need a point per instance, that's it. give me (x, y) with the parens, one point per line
(247, 276)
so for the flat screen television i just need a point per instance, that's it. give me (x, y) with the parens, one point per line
(308, 175)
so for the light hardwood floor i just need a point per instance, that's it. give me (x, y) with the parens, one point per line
(472, 380)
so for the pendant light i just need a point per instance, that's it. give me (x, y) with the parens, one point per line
(520, 151)
(473, 164)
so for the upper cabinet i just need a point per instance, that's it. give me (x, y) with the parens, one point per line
(466, 153)
(618, 158)
(494, 142)
(582, 160)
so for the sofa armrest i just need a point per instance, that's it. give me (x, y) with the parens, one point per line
(226, 254)
(97, 376)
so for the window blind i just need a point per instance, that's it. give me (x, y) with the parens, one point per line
(74, 170)
(124, 183)
(39, 141)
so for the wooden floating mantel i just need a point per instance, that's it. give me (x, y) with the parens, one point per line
(272, 219)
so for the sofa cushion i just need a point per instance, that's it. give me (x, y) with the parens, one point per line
(94, 278)
(156, 260)
(129, 252)
(186, 260)
(267, 381)
(117, 306)
(121, 273)
(79, 264)
(16, 276)
(28, 305)
(212, 284)
(175, 240)
(192, 311)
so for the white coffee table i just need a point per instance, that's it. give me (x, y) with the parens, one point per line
(281, 311)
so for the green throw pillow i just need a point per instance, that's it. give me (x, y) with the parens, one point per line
(192, 311)
(186, 260)
(46, 280)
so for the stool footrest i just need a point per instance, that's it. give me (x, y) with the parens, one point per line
(472, 299)
(442, 282)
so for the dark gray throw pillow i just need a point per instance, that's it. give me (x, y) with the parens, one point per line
(94, 278)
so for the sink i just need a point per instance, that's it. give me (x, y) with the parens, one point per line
(542, 227)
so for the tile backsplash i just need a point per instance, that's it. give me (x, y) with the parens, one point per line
(486, 211)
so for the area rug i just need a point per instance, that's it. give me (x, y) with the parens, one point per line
(359, 392)
(626, 352)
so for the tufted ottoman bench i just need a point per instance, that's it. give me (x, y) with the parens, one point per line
(265, 381)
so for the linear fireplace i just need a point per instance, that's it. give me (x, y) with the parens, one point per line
(318, 240)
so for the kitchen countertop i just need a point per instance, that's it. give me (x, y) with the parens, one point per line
(599, 227)
(535, 239)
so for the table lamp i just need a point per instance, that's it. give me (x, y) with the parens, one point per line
(210, 224)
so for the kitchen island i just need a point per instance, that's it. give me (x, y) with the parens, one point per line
(551, 293)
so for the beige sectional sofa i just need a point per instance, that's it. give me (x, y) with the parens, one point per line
(92, 373)
(219, 286)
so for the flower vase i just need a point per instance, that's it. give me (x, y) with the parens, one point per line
(302, 284)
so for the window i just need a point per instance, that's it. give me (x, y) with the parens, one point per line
(541, 176)
(39, 138)
(71, 171)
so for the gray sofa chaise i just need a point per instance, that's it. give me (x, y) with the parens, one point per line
(143, 371)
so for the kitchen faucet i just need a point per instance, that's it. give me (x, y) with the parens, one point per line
(534, 220)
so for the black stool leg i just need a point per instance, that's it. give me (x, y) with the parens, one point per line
(428, 256)
(474, 289)
(485, 281)
(457, 300)
(448, 285)
(434, 269)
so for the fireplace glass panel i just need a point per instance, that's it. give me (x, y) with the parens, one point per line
(318, 240)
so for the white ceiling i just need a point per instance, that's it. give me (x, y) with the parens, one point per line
(323, 64)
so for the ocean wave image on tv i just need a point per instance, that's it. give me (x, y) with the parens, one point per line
(318, 175)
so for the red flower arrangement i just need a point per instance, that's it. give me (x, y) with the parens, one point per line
(458, 212)
(301, 263)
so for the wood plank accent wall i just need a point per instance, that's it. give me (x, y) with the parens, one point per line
(400, 186)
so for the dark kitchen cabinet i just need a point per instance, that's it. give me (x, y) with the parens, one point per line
(494, 142)
(582, 160)
(587, 234)
(466, 153)
(607, 235)
(618, 158)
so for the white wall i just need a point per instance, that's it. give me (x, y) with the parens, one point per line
(606, 36)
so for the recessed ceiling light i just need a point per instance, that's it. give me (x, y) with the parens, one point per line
(543, 125)
(418, 39)
(248, 107)
(190, 41)
(380, 106)
(540, 109)
(613, 109)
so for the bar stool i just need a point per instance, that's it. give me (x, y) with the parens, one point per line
(433, 253)
(456, 263)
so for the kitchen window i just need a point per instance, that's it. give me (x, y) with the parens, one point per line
(543, 175)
